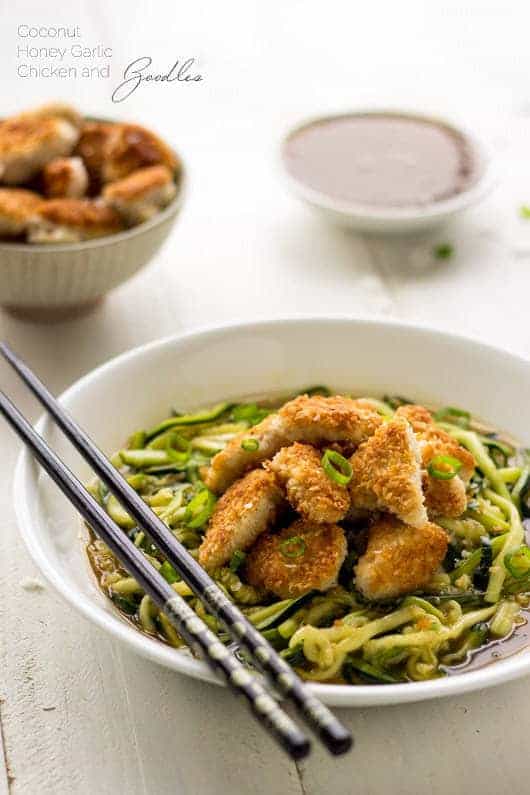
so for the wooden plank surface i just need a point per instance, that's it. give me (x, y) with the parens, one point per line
(79, 713)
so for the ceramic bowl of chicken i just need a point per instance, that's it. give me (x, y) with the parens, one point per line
(84, 204)
(228, 370)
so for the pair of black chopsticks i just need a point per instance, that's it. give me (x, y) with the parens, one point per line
(196, 634)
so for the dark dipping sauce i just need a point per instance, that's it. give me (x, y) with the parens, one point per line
(382, 160)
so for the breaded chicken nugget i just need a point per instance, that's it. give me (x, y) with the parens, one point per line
(17, 208)
(245, 511)
(94, 143)
(399, 559)
(387, 474)
(311, 493)
(234, 460)
(65, 178)
(131, 147)
(297, 559)
(434, 441)
(444, 497)
(142, 194)
(418, 416)
(72, 220)
(315, 419)
(28, 143)
(320, 420)
(57, 110)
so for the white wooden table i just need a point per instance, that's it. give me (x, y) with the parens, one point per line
(80, 714)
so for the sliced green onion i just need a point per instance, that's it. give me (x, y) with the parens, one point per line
(455, 416)
(250, 445)
(443, 251)
(336, 467)
(199, 509)
(237, 560)
(518, 561)
(293, 547)
(444, 467)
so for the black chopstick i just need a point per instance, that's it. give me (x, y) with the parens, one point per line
(188, 624)
(332, 733)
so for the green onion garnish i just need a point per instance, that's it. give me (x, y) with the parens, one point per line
(518, 562)
(293, 547)
(250, 445)
(336, 467)
(444, 467)
(237, 559)
(443, 251)
(453, 415)
(199, 509)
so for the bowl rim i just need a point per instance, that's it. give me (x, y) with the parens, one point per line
(26, 481)
(486, 181)
(173, 207)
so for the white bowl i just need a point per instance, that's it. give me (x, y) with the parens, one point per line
(390, 220)
(57, 281)
(368, 357)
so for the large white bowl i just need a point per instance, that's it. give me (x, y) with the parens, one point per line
(138, 388)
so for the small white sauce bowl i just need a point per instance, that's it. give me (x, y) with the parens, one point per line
(201, 368)
(393, 220)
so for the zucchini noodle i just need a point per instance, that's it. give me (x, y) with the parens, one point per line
(336, 636)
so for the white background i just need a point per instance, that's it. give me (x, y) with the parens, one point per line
(81, 715)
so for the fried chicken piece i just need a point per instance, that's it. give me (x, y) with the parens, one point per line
(131, 147)
(233, 461)
(142, 194)
(27, 143)
(245, 511)
(299, 558)
(387, 474)
(65, 178)
(434, 441)
(310, 492)
(73, 220)
(444, 497)
(399, 559)
(94, 142)
(418, 416)
(320, 420)
(17, 208)
(315, 420)
(55, 110)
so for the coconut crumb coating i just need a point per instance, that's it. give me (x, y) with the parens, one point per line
(399, 559)
(387, 474)
(301, 557)
(245, 511)
(309, 490)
